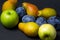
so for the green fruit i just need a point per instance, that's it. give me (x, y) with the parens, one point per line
(47, 32)
(9, 18)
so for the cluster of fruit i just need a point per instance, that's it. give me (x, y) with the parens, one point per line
(33, 21)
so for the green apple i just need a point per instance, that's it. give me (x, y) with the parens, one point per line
(9, 18)
(47, 32)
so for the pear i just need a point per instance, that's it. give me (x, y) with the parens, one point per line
(7, 5)
(47, 12)
(47, 32)
(21, 26)
(31, 9)
(13, 1)
(40, 13)
(29, 28)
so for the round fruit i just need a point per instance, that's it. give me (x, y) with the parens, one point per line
(47, 32)
(7, 5)
(41, 20)
(21, 11)
(51, 20)
(9, 18)
(31, 29)
(28, 18)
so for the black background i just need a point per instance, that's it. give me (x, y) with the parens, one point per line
(15, 34)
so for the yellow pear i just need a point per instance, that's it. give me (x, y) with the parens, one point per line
(29, 28)
(7, 5)
(21, 26)
(47, 12)
(13, 1)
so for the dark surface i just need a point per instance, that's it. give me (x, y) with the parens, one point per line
(15, 34)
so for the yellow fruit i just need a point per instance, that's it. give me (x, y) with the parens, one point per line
(21, 26)
(40, 13)
(31, 29)
(47, 12)
(31, 9)
(47, 32)
(13, 1)
(7, 5)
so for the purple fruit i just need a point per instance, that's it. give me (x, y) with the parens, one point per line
(41, 20)
(21, 11)
(28, 18)
(51, 20)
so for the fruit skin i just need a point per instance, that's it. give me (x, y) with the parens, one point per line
(31, 9)
(47, 32)
(47, 12)
(28, 18)
(9, 18)
(51, 20)
(21, 26)
(40, 13)
(31, 29)
(7, 5)
(13, 1)
(41, 20)
(21, 11)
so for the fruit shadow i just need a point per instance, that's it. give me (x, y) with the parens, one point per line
(58, 36)
(14, 28)
(57, 27)
(20, 19)
(35, 38)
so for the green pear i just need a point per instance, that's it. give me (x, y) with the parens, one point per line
(47, 32)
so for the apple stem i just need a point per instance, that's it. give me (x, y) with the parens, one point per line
(9, 13)
(46, 36)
